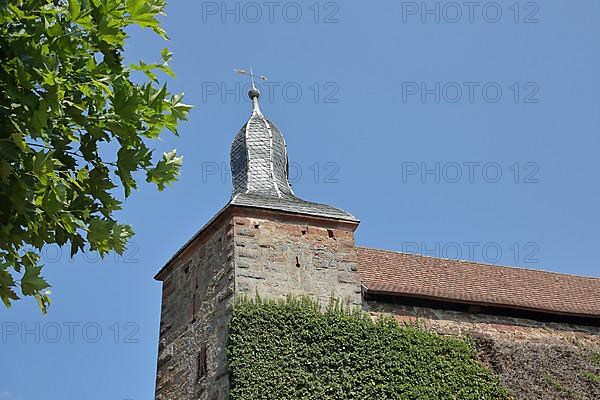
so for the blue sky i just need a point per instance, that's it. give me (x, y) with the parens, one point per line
(445, 132)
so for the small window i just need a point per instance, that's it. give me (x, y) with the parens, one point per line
(202, 363)
(330, 233)
(186, 269)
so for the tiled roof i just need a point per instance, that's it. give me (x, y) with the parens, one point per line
(414, 275)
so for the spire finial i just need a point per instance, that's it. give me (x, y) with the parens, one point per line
(252, 78)
(253, 93)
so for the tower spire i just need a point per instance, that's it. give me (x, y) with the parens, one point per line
(260, 168)
(253, 93)
(252, 78)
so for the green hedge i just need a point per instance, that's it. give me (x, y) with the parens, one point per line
(293, 350)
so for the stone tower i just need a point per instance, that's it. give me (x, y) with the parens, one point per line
(266, 241)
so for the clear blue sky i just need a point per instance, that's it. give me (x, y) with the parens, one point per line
(362, 124)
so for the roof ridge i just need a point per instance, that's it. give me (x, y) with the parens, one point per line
(485, 264)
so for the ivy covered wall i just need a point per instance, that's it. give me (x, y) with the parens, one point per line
(294, 350)
(534, 359)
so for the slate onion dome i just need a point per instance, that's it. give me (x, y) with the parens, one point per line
(259, 161)
(260, 169)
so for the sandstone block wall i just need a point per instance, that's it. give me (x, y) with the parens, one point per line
(197, 296)
(275, 258)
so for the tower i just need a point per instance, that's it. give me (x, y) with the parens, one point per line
(265, 240)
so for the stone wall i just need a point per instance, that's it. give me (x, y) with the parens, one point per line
(535, 360)
(275, 257)
(197, 296)
(244, 252)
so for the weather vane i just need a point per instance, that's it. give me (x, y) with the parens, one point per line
(251, 74)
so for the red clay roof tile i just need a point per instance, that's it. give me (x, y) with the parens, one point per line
(469, 282)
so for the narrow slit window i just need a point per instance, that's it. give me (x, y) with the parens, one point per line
(202, 362)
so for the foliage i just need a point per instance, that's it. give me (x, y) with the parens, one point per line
(556, 369)
(73, 127)
(292, 350)
(562, 391)
(592, 375)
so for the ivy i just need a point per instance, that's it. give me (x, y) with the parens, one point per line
(591, 375)
(75, 126)
(294, 350)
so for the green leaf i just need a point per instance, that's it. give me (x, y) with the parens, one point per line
(127, 162)
(166, 170)
(6, 287)
(7, 294)
(32, 282)
(158, 96)
(99, 230)
(120, 236)
(18, 197)
(74, 9)
(166, 55)
(77, 244)
(147, 69)
(18, 140)
(83, 174)
(39, 120)
(16, 10)
(43, 300)
(5, 171)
